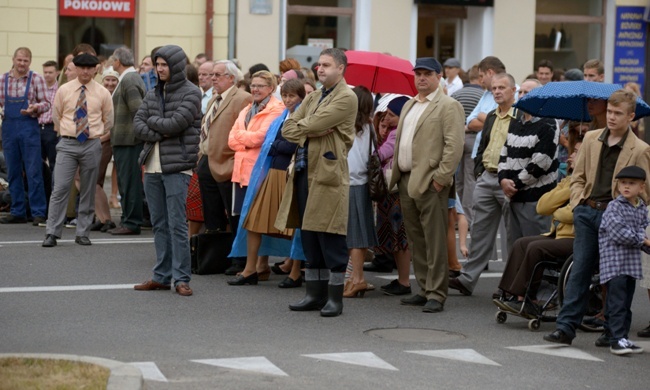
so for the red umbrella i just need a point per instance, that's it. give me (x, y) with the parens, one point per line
(380, 73)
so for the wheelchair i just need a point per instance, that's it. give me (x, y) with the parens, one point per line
(550, 292)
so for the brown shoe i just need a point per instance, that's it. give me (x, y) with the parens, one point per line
(150, 285)
(122, 231)
(183, 289)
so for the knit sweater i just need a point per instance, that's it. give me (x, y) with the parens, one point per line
(529, 158)
(127, 99)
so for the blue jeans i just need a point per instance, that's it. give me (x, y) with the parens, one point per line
(620, 291)
(586, 222)
(166, 195)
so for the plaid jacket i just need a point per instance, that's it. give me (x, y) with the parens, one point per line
(620, 239)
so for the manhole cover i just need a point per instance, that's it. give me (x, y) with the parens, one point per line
(415, 335)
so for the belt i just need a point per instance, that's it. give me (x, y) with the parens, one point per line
(43, 125)
(601, 206)
(68, 137)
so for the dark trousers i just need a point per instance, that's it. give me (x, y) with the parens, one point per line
(322, 250)
(49, 139)
(129, 181)
(618, 315)
(526, 253)
(586, 222)
(217, 203)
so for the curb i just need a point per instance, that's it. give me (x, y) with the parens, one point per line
(123, 376)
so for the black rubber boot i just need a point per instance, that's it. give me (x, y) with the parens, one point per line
(315, 298)
(334, 306)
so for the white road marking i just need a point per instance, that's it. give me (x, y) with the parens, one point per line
(98, 241)
(150, 371)
(258, 364)
(67, 288)
(367, 359)
(412, 277)
(464, 355)
(558, 350)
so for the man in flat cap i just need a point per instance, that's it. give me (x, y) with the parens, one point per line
(83, 111)
(428, 149)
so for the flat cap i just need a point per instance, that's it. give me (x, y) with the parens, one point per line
(428, 63)
(87, 60)
(574, 74)
(631, 172)
(451, 63)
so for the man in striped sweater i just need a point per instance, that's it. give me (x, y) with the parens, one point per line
(528, 169)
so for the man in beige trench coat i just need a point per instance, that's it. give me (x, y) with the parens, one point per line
(428, 149)
(316, 196)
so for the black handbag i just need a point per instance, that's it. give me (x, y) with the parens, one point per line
(209, 252)
(376, 180)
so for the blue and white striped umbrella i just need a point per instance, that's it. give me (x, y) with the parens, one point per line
(568, 100)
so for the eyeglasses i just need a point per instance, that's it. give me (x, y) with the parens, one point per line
(217, 75)
(257, 86)
(206, 74)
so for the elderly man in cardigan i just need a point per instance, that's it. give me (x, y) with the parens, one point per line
(316, 196)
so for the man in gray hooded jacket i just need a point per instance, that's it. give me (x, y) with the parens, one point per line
(169, 123)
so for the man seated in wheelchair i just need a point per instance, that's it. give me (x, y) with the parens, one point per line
(557, 245)
(621, 238)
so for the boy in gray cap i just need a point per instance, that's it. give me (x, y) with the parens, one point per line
(621, 235)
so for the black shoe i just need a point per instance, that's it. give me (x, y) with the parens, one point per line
(109, 225)
(290, 283)
(395, 288)
(558, 337)
(277, 270)
(82, 240)
(50, 241)
(13, 219)
(603, 340)
(453, 274)
(372, 267)
(38, 220)
(415, 300)
(457, 285)
(234, 269)
(334, 305)
(97, 226)
(241, 280)
(645, 332)
(315, 297)
(432, 306)
(524, 309)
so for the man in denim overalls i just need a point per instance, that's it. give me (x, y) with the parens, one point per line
(22, 96)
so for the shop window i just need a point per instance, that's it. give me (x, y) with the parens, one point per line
(568, 33)
(315, 24)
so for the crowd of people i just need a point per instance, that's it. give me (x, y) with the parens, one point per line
(281, 163)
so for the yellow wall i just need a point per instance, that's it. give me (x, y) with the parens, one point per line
(31, 24)
(514, 35)
(258, 37)
(182, 23)
(638, 3)
(390, 27)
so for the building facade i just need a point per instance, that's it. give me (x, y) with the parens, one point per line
(520, 32)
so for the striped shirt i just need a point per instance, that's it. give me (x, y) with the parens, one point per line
(468, 97)
(16, 88)
(620, 239)
(529, 158)
(46, 117)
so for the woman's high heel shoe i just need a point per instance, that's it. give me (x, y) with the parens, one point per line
(355, 290)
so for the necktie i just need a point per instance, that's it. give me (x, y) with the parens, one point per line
(81, 116)
(205, 129)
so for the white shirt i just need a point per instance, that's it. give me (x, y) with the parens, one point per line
(454, 85)
(207, 95)
(405, 157)
(358, 157)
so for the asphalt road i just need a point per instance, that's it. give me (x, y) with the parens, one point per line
(170, 332)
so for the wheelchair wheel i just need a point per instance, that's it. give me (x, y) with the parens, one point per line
(594, 298)
(534, 325)
(501, 317)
